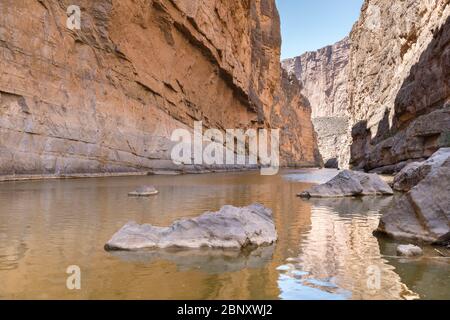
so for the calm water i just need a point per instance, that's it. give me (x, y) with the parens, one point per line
(326, 249)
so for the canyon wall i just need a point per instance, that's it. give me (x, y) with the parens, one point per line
(106, 98)
(399, 83)
(323, 75)
(390, 80)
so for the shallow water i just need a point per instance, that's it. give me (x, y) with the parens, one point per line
(326, 249)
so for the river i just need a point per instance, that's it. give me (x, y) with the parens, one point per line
(326, 249)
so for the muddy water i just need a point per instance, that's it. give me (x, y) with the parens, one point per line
(326, 249)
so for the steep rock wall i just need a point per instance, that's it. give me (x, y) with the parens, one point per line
(323, 75)
(399, 82)
(106, 98)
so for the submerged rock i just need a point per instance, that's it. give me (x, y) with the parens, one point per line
(348, 184)
(415, 172)
(229, 228)
(424, 212)
(409, 251)
(144, 191)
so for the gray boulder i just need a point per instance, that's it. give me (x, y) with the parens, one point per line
(423, 213)
(229, 228)
(415, 172)
(144, 191)
(349, 184)
(409, 251)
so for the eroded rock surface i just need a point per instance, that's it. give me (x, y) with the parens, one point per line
(399, 82)
(423, 213)
(107, 98)
(323, 75)
(229, 228)
(348, 184)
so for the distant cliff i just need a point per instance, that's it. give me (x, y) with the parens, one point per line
(107, 97)
(323, 75)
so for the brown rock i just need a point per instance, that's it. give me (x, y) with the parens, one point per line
(106, 98)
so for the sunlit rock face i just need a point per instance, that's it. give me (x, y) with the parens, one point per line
(399, 82)
(323, 75)
(107, 97)
(390, 80)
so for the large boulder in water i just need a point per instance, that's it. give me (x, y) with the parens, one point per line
(424, 212)
(229, 228)
(349, 184)
(415, 172)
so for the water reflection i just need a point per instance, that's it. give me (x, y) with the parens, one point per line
(339, 257)
(323, 250)
(210, 261)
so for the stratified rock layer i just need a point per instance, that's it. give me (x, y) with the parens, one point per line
(323, 75)
(399, 82)
(106, 98)
(229, 228)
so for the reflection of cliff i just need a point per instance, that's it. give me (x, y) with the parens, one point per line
(339, 254)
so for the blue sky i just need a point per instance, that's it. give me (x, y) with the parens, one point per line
(308, 25)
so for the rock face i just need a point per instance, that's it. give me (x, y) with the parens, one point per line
(332, 136)
(424, 212)
(399, 82)
(107, 97)
(323, 75)
(349, 184)
(229, 228)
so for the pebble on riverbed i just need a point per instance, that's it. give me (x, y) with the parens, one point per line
(144, 191)
(409, 251)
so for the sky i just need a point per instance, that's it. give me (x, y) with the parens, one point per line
(308, 25)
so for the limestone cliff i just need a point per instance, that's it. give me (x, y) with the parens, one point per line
(399, 82)
(107, 97)
(390, 78)
(323, 75)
